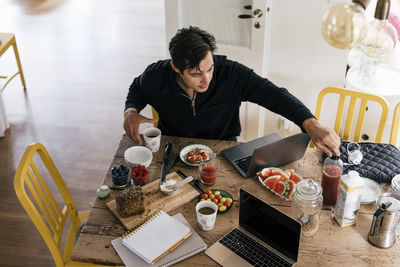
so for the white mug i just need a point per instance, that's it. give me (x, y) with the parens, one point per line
(206, 221)
(152, 138)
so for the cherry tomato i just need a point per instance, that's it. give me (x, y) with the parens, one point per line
(218, 196)
(222, 200)
(190, 153)
(217, 193)
(212, 196)
(227, 204)
(204, 196)
(215, 201)
(208, 192)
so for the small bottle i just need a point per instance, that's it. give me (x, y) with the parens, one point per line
(331, 173)
(349, 198)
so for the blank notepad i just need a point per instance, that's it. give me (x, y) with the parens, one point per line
(156, 237)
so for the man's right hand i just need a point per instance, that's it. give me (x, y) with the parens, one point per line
(132, 120)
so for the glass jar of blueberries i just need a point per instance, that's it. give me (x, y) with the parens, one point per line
(120, 176)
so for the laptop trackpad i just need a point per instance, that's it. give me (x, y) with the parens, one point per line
(225, 256)
(235, 260)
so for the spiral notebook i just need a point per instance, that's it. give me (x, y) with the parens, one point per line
(190, 247)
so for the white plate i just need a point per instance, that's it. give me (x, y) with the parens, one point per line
(370, 192)
(183, 154)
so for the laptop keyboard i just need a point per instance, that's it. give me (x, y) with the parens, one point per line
(243, 163)
(250, 250)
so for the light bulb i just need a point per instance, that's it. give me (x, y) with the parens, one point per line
(379, 37)
(342, 24)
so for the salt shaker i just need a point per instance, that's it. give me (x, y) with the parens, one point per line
(306, 206)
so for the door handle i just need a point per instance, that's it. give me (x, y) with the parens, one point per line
(256, 14)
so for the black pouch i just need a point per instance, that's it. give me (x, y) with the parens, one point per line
(381, 162)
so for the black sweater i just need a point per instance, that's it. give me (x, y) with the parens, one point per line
(214, 114)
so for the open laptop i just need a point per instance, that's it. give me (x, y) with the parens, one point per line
(267, 151)
(265, 237)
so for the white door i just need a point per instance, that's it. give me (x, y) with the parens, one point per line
(241, 28)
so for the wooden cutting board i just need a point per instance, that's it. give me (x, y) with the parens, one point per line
(155, 200)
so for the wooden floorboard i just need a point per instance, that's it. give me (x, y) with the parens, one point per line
(79, 58)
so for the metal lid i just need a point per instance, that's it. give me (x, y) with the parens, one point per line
(334, 157)
(382, 9)
(309, 189)
(363, 3)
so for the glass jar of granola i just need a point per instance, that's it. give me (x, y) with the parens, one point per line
(306, 206)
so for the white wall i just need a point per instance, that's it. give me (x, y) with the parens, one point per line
(300, 59)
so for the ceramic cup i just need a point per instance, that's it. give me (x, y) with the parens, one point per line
(206, 220)
(152, 138)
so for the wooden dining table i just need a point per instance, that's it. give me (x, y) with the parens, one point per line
(332, 245)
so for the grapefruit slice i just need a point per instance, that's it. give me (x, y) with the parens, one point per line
(277, 171)
(292, 185)
(282, 188)
(289, 172)
(272, 181)
(266, 172)
(295, 177)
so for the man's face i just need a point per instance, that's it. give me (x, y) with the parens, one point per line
(199, 78)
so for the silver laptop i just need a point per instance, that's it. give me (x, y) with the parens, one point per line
(265, 237)
(267, 151)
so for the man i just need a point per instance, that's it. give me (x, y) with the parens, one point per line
(198, 94)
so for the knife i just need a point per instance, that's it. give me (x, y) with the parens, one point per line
(167, 153)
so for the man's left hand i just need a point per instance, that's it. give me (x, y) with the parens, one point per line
(323, 137)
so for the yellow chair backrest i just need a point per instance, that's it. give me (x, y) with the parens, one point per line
(354, 96)
(395, 125)
(155, 116)
(41, 206)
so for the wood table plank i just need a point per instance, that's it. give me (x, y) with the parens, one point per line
(330, 246)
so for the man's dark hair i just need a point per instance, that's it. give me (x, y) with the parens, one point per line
(189, 46)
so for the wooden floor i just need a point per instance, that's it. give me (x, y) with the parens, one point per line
(79, 58)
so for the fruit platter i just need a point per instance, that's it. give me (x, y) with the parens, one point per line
(280, 182)
(220, 197)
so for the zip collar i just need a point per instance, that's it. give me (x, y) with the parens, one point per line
(193, 101)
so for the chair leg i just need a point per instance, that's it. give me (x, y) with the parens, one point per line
(21, 73)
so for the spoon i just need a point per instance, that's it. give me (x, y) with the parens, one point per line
(178, 185)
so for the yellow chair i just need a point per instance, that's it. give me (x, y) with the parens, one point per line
(354, 96)
(395, 125)
(41, 205)
(155, 116)
(8, 40)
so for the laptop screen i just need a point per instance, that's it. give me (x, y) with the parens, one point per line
(270, 225)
